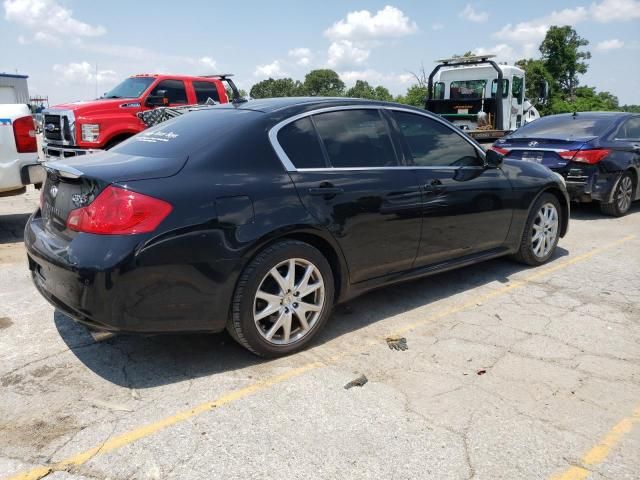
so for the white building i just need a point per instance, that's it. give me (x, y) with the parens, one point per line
(13, 88)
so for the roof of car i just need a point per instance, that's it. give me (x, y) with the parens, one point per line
(269, 105)
(593, 114)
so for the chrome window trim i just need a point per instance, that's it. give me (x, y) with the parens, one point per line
(290, 167)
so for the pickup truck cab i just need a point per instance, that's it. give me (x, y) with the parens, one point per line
(83, 127)
(19, 164)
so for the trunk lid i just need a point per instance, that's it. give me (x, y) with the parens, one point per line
(77, 181)
(542, 150)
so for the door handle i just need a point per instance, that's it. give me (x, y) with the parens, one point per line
(326, 189)
(636, 148)
(434, 186)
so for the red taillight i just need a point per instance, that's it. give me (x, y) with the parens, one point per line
(117, 211)
(585, 156)
(24, 131)
(501, 151)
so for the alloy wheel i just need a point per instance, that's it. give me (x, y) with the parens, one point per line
(545, 230)
(625, 191)
(289, 301)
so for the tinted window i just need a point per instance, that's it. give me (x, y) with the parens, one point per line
(175, 90)
(518, 91)
(438, 91)
(300, 142)
(629, 129)
(131, 88)
(566, 127)
(505, 88)
(206, 91)
(356, 138)
(433, 144)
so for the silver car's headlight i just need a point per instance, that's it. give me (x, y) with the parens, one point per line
(90, 132)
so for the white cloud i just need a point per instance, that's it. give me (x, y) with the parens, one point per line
(470, 14)
(502, 51)
(48, 20)
(207, 62)
(273, 69)
(346, 53)
(396, 83)
(437, 26)
(611, 10)
(83, 72)
(389, 22)
(567, 16)
(607, 45)
(301, 55)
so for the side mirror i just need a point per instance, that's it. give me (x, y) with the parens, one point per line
(159, 100)
(544, 91)
(493, 159)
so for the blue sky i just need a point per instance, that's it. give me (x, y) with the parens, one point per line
(58, 43)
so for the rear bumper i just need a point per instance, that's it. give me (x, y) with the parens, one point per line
(19, 172)
(590, 186)
(118, 284)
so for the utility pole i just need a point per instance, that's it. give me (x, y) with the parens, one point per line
(96, 80)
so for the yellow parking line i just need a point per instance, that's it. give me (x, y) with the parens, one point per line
(151, 428)
(601, 450)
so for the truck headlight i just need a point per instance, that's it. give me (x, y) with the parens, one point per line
(90, 132)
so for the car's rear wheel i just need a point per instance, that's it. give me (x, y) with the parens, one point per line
(541, 232)
(283, 298)
(622, 197)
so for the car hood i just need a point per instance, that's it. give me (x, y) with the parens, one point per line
(92, 107)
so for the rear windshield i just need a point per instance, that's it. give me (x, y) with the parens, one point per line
(187, 133)
(565, 127)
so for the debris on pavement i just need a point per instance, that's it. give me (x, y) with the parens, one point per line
(481, 372)
(397, 343)
(358, 382)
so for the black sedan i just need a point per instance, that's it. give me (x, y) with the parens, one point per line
(259, 217)
(598, 153)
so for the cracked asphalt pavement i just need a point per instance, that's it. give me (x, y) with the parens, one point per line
(511, 373)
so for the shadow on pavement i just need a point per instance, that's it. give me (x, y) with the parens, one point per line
(144, 362)
(591, 211)
(12, 227)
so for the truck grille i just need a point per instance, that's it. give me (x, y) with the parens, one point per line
(56, 128)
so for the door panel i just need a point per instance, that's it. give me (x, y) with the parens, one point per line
(375, 215)
(466, 210)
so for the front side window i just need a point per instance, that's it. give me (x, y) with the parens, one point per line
(433, 144)
(206, 92)
(301, 144)
(518, 91)
(175, 91)
(355, 138)
(467, 89)
(505, 88)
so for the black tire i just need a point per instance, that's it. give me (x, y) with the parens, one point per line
(617, 208)
(241, 324)
(525, 253)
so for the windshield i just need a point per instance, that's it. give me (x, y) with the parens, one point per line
(565, 127)
(131, 88)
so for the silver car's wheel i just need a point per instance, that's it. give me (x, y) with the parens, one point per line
(624, 193)
(545, 230)
(289, 301)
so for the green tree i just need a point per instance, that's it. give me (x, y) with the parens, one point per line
(563, 58)
(323, 83)
(586, 99)
(535, 76)
(281, 87)
(361, 89)
(416, 95)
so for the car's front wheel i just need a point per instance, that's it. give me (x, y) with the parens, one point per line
(622, 197)
(541, 232)
(283, 298)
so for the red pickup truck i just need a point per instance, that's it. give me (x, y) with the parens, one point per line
(83, 127)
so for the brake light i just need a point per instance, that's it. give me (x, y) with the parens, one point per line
(117, 211)
(24, 131)
(501, 151)
(585, 156)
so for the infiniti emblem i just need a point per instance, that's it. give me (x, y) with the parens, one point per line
(50, 127)
(53, 191)
(533, 144)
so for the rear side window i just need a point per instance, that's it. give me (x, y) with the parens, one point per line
(630, 130)
(433, 144)
(356, 138)
(206, 92)
(175, 90)
(300, 142)
(566, 127)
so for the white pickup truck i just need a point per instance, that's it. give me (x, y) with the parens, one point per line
(19, 165)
